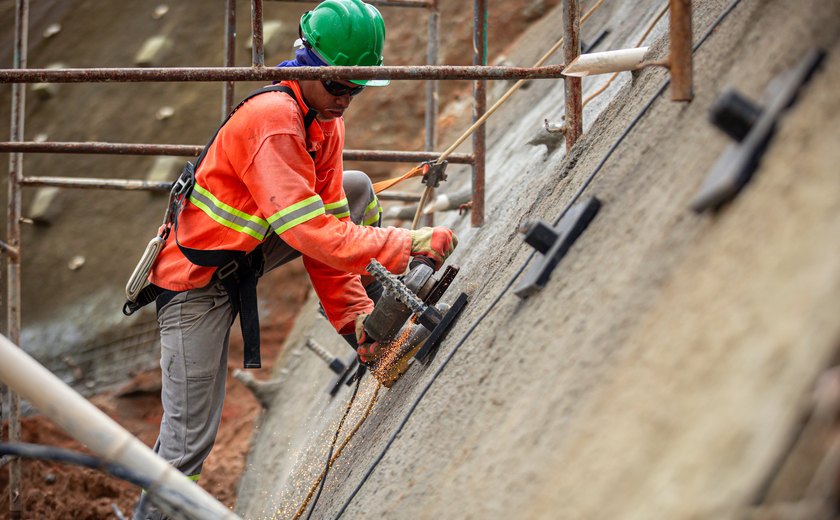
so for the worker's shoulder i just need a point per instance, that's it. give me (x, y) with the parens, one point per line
(273, 108)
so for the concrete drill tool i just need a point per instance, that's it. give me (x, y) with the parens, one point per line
(408, 319)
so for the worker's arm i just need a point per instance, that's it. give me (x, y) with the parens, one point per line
(282, 180)
(341, 294)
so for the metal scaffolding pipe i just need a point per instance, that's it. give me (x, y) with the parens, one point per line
(572, 86)
(131, 75)
(193, 150)
(399, 196)
(257, 53)
(387, 3)
(103, 436)
(432, 89)
(101, 148)
(88, 183)
(13, 241)
(681, 56)
(230, 55)
(479, 108)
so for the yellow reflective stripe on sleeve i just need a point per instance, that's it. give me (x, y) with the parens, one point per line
(297, 213)
(340, 209)
(194, 478)
(372, 212)
(228, 216)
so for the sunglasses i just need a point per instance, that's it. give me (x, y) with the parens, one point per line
(338, 89)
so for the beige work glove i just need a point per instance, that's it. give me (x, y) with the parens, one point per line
(368, 351)
(436, 243)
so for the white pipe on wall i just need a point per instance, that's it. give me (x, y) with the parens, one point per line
(606, 62)
(107, 439)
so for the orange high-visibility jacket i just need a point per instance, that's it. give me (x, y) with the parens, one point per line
(258, 177)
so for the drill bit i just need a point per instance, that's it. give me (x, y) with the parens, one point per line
(428, 316)
(391, 283)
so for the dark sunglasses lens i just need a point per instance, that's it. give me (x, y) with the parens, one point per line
(337, 89)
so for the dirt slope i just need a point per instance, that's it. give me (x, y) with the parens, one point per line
(666, 366)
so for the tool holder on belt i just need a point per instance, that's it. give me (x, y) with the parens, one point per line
(237, 271)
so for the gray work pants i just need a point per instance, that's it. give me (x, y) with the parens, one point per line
(194, 335)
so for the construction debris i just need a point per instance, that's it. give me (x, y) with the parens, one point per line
(52, 30)
(264, 391)
(46, 91)
(76, 263)
(272, 40)
(152, 52)
(165, 169)
(160, 11)
(164, 113)
(44, 207)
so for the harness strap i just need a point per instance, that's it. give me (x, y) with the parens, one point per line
(237, 271)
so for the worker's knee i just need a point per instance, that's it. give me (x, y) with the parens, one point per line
(364, 206)
(357, 185)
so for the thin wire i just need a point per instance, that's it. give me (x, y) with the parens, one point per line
(519, 271)
(319, 483)
(332, 458)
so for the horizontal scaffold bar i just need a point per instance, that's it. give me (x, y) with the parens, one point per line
(125, 75)
(189, 150)
(387, 3)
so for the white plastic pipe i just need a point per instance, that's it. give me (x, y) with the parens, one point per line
(107, 439)
(606, 62)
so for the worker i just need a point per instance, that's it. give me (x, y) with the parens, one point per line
(271, 186)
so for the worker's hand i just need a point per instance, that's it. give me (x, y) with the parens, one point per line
(368, 351)
(436, 243)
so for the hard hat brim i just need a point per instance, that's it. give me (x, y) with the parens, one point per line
(371, 82)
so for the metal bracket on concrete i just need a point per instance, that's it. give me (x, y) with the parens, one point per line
(348, 377)
(554, 243)
(752, 127)
(427, 351)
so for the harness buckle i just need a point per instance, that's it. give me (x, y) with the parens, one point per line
(185, 181)
(227, 269)
(434, 173)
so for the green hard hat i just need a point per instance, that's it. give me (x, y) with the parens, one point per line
(346, 33)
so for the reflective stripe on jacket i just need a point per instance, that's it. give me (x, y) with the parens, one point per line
(258, 177)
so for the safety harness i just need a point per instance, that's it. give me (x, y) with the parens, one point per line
(236, 270)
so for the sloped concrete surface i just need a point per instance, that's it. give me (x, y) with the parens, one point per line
(662, 371)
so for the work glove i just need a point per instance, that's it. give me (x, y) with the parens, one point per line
(436, 243)
(368, 351)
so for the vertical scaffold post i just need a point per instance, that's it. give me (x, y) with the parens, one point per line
(573, 86)
(681, 58)
(432, 90)
(13, 239)
(230, 55)
(257, 53)
(479, 107)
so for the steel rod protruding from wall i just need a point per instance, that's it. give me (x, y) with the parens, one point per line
(681, 57)
(572, 85)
